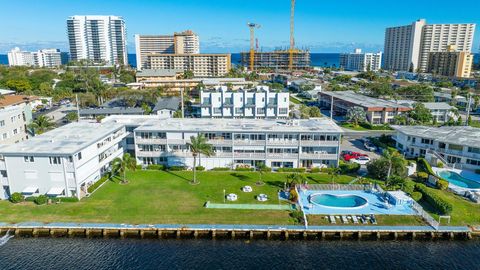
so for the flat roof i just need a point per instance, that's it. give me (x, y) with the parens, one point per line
(65, 140)
(461, 135)
(6, 92)
(322, 125)
(428, 105)
(158, 72)
(114, 110)
(364, 101)
(169, 103)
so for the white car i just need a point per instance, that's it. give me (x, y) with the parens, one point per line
(361, 160)
(370, 147)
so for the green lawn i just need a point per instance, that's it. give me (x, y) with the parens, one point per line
(382, 220)
(166, 197)
(295, 100)
(352, 127)
(464, 212)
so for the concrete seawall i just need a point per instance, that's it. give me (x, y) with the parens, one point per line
(237, 232)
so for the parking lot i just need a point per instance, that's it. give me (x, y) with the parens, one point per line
(356, 145)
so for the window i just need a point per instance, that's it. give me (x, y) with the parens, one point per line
(15, 131)
(2, 123)
(79, 155)
(474, 150)
(4, 136)
(427, 141)
(55, 160)
(455, 147)
(283, 110)
(12, 119)
(70, 159)
(238, 110)
(217, 110)
(29, 159)
(260, 110)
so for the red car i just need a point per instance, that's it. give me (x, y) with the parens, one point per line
(353, 155)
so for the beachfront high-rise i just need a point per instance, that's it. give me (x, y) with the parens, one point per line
(101, 39)
(43, 58)
(408, 47)
(359, 61)
(186, 42)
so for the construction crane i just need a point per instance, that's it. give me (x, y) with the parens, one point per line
(292, 38)
(252, 27)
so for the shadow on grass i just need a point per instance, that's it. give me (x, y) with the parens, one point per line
(278, 184)
(179, 176)
(241, 177)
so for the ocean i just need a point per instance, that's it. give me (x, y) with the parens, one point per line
(79, 253)
(317, 59)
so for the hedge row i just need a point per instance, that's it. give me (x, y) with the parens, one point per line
(93, 187)
(367, 125)
(348, 168)
(424, 166)
(298, 170)
(442, 206)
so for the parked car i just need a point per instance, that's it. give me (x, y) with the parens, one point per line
(353, 155)
(369, 146)
(360, 160)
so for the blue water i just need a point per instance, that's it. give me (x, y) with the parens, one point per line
(317, 59)
(71, 253)
(343, 201)
(458, 180)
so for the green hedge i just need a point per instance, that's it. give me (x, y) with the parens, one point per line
(315, 170)
(177, 168)
(298, 170)
(349, 168)
(155, 167)
(424, 166)
(97, 184)
(443, 207)
(367, 125)
(221, 169)
(42, 199)
(243, 169)
(200, 168)
(16, 198)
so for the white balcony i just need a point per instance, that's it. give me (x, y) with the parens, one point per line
(249, 155)
(318, 156)
(249, 142)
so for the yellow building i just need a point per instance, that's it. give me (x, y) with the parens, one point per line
(451, 63)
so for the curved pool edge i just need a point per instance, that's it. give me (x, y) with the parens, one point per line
(338, 195)
(459, 173)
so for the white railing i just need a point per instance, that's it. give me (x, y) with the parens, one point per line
(299, 201)
(426, 216)
(366, 187)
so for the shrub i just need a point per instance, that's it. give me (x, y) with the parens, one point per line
(424, 166)
(315, 170)
(16, 198)
(443, 207)
(93, 187)
(177, 168)
(200, 168)
(243, 169)
(221, 169)
(422, 176)
(349, 168)
(442, 184)
(440, 164)
(408, 187)
(325, 170)
(155, 167)
(138, 167)
(298, 170)
(297, 216)
(30, 199)
(42, 199)
(68, 199)
(417, 196)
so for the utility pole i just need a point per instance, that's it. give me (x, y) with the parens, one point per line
(331, 107)
(181, 97)
(78, 108)
(469, 101)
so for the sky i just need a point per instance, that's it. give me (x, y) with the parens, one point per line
(321, 26)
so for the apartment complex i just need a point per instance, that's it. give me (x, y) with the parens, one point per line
(378, 111)
(256, 103)
(61, 162)
(452, 145)
(15, 115)
(358, 61)
(451, 63)
(277, 59)
(202, 65)
(100, 39)
(240, 142)
(407, 48)
(186, 42)
(48, 58)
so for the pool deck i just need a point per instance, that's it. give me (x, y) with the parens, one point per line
(375, 205)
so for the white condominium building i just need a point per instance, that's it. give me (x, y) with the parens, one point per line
(407, 47)
(256, 103)
(101, 39)
(15, 116)
(186, 42)
(448, 144)
(61, 162)
(17, 57)
(202, 65)
(48, 58)
(240, 142)
(358, 61)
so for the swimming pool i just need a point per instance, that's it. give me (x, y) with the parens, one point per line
(457, 180)
(338, 201)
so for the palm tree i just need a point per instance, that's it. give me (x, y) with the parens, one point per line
(261, 168)
(333, 172)
(356, 115)
(198, 145)
(41, 124)
(393, 159)
(121, 165)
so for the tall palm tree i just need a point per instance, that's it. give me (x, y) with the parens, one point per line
(333, 172)
(41, 124)
(121, 165)
(393, 159)
(198, 145)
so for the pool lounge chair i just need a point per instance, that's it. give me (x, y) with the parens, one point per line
(373, 219)
(355, 220)
(332, 220)
(344, 220)
(364, 219)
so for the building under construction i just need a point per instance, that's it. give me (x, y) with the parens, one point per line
(277, 60)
